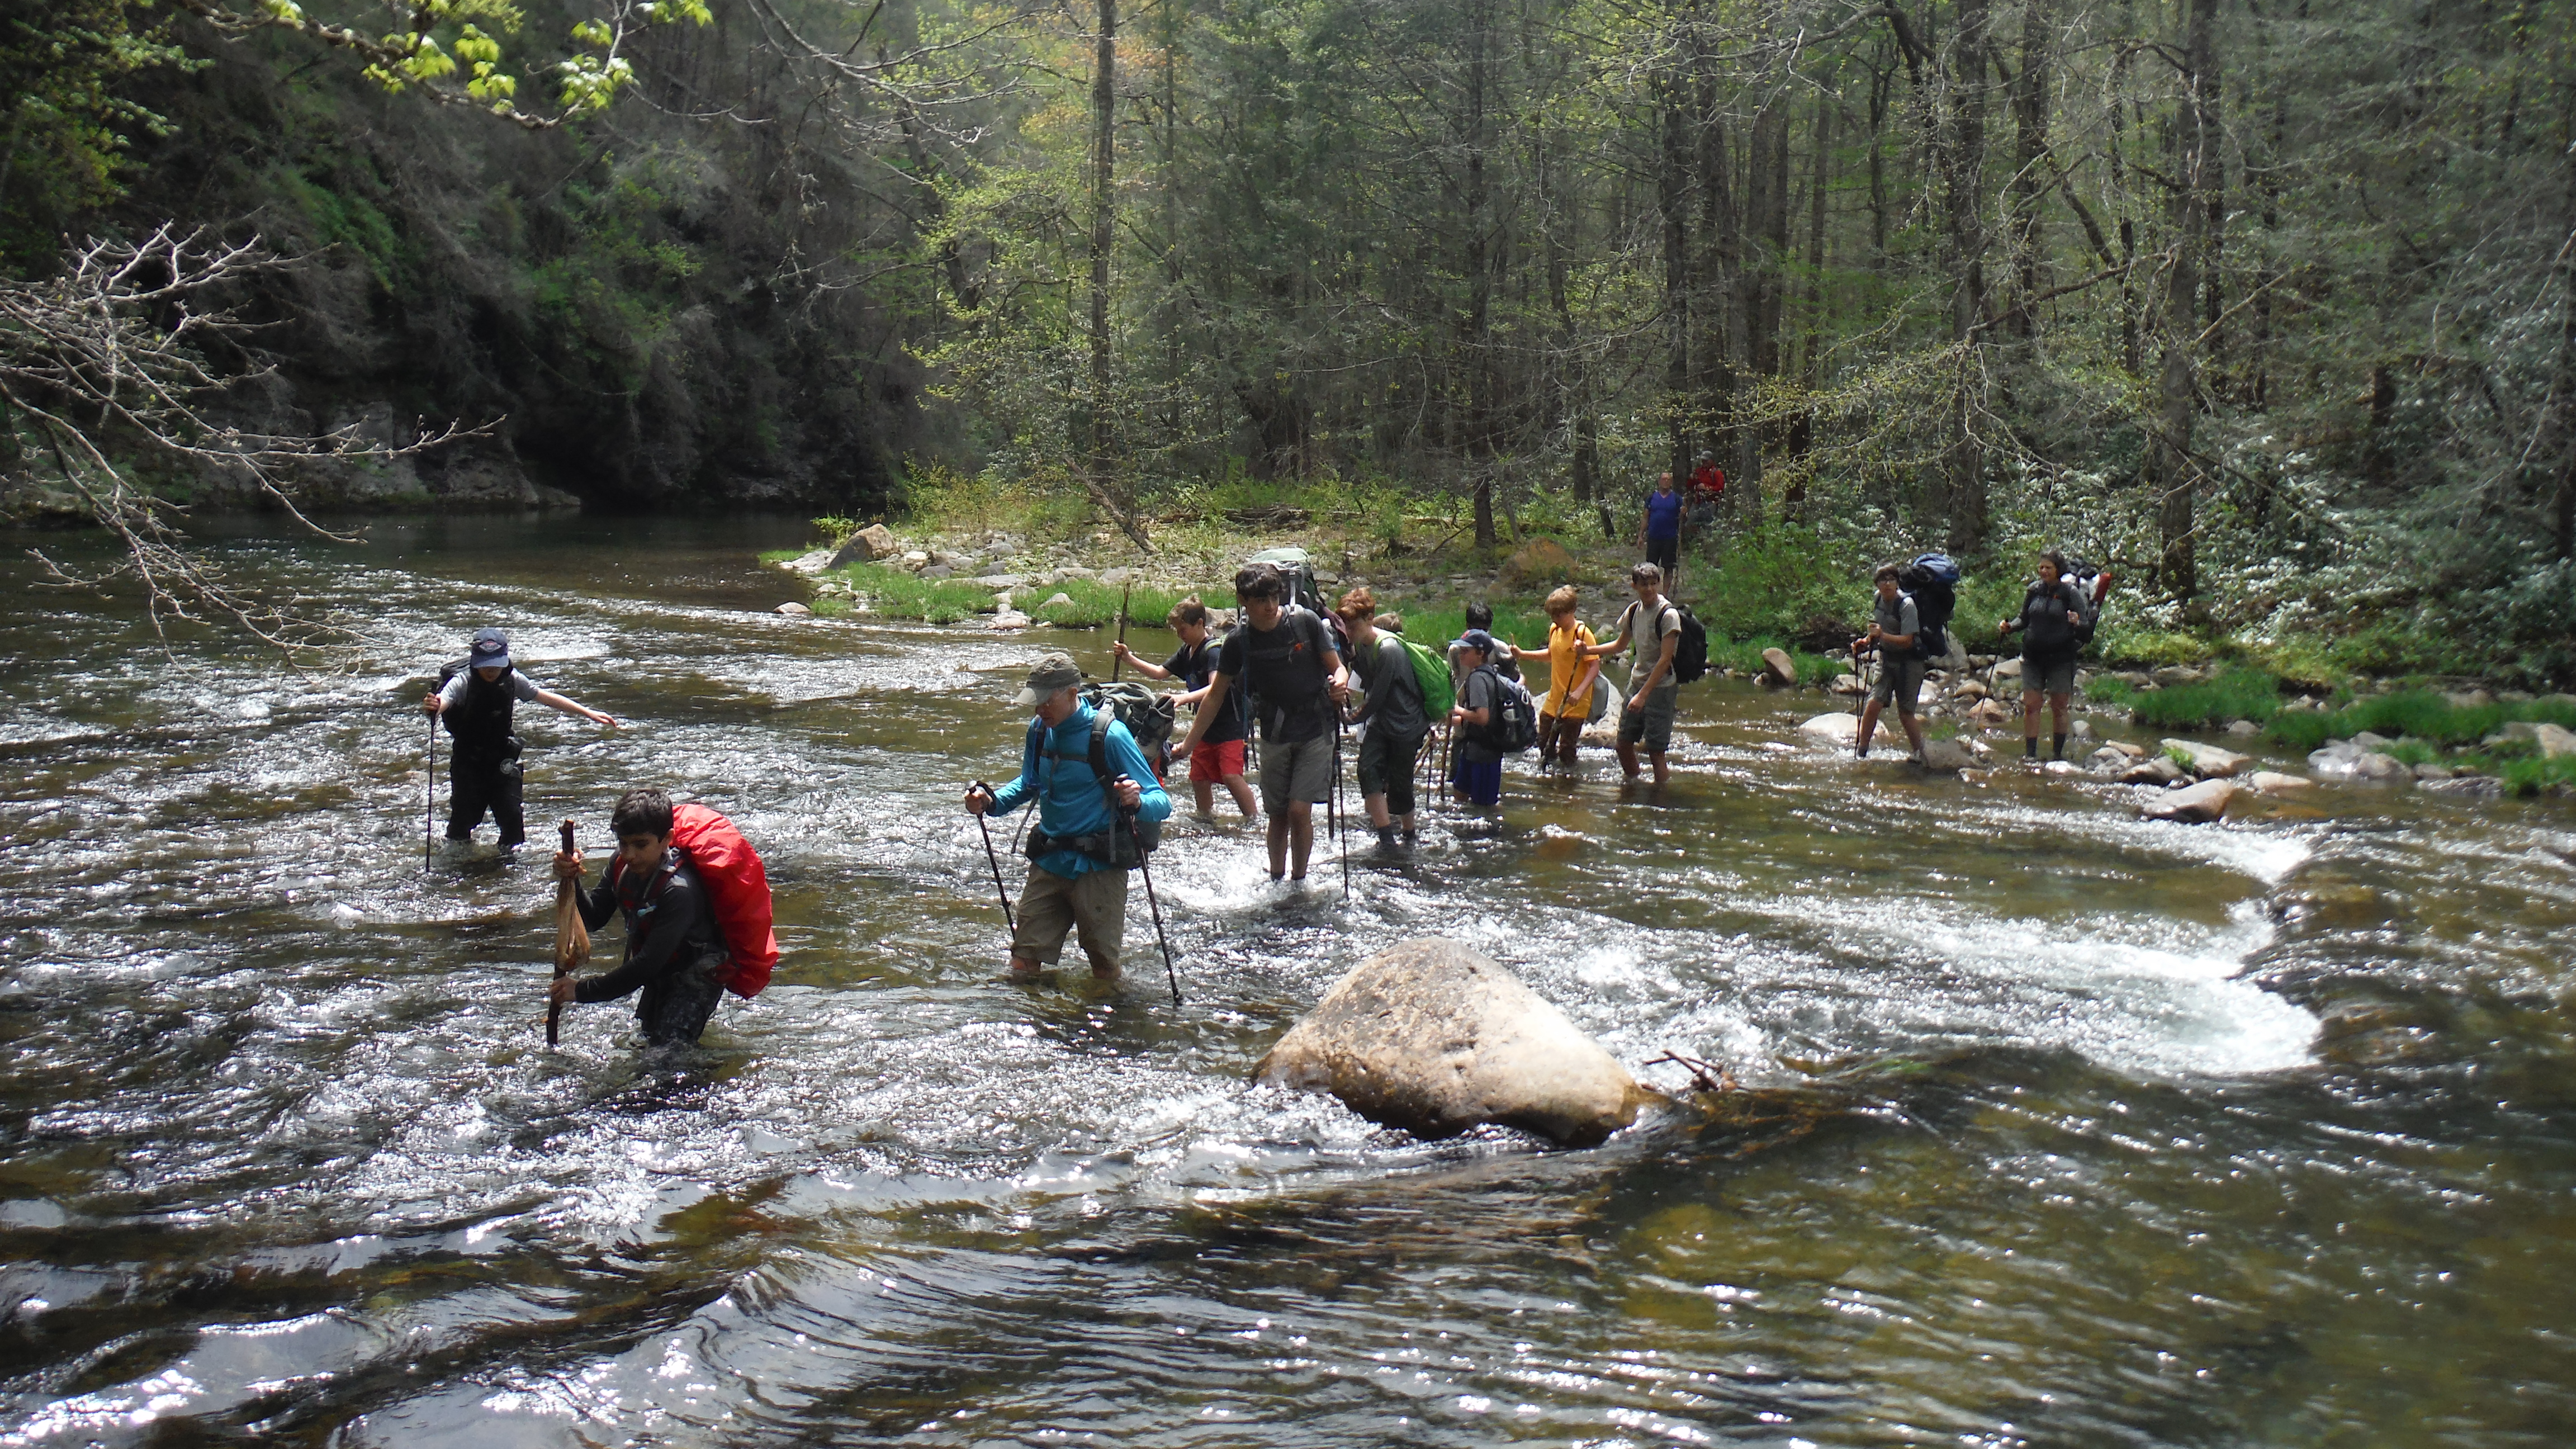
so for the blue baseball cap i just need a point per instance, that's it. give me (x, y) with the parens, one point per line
(491, 650)
(1476, 639)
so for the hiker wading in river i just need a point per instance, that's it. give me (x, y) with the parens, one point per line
(1285, 656)
(1653, 628)
(675, 951)
(1219, 758)
(483, 771)
(1075, 883)
(1391, 718)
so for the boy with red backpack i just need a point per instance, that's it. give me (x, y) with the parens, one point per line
(697, 916)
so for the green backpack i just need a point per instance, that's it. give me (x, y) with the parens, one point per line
(1431, 671)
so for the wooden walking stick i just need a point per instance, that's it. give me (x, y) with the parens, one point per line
(572, 940)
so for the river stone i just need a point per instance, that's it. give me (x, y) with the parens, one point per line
(794, 610)
(1777, 667)
(2243, 729)
(2195, 805)
(1434, 1038)
(938, 570)
(2336, 758)
(2208, 761)
(2554, 740)
(1009, 619)
(1952, 754)
(2272, 782)
(2007, 669)
(1993, 713)
(2376, 766)
(2429, 771)
(2475, 787)
(2468, 699)
(2153, 770)
(868, 545)
(2107, 759)
(810, 563)
(1055, 599)
(1841, 729)
(2366, 741)
(1969, 689)
(2130, 748)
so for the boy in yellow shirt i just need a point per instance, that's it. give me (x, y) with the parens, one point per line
(1571, 679)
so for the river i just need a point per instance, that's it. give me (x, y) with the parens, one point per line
(2077, 1129)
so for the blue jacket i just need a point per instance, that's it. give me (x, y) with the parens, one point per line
(1070, 800)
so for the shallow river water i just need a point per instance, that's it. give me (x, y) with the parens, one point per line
(2064, 1127)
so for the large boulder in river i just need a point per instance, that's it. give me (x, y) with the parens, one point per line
(1435, 1039)
(2553, 740)
(1778, 668)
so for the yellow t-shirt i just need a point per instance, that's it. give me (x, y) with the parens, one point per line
(1563, 669)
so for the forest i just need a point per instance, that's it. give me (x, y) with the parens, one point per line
(2267, 306)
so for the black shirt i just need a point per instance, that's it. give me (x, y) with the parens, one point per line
(1288, 671)
(2046, 636)
(668, 926)
(1193, 667)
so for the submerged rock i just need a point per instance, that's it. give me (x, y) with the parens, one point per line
(2153, 770)
(1435, 1038)
(794, 610)
(1959, 754)
(2272, 782)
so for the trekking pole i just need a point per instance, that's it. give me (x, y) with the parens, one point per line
(1118, 661)
(1338, 844)
(1170, 972)
(429, 799)
(996, 862)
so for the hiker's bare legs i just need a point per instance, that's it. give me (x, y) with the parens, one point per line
(1868, 727)
(1244, 799)
(1292, 838)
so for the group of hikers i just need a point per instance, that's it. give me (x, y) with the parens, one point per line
(1285, 680)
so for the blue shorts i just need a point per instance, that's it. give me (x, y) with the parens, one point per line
(1483, 783)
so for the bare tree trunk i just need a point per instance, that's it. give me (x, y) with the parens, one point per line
(1671, 200)
(2562, 399)
(2030, 148)
(2170, 467)
(1802, 430)
(1964, 164)
(1480, 286)
(1099, 477)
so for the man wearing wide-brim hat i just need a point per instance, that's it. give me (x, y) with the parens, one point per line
(1077, 866)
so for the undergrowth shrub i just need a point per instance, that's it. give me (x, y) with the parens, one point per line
(2234, 694)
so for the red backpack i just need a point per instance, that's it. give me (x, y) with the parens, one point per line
(737, 891)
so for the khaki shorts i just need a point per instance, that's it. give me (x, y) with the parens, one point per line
(1299, 773)
(1093, 903)
(1900, 682)
(1652, 725)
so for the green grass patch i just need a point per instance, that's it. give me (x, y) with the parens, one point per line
(2419, 714)
(782, 555)
(898, 595)
(1521, 628)
(2412, 751)
(2110, 690)
(2234, 694)
(2128, 646)
(830, 607)
(1094, 605)
(2533, 775)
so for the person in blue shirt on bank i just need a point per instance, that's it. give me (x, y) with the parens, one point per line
(1075, 882)
(1659, 532)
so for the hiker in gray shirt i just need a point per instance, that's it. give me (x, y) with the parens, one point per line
(1392, 719)
(1900, 664)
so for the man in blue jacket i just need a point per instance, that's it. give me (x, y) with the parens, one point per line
(1076, 882)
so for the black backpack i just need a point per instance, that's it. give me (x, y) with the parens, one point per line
(1690, 654)
(1309, 626)
(1932, 581)
(1511, 724)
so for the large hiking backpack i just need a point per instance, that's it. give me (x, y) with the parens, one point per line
(1305, 592)
(1511, 725)
(1932, 581)
(737, 893)
(1690, 653)
(1147, 714)
(2092, 586)
(1148, 834)
(1431, 673)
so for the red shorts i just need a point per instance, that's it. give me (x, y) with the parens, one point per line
(1210, 763)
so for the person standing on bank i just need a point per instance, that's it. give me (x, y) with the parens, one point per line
(1659, 531)
(1571, 678)
(1900, 666)
(1653, 692)
(2050, 612)
(675, 952)
(1393, 715)
(1478, 772)
(1285, 656)
(1219, 758)
(483, 772)
(1075, 882)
